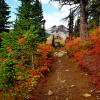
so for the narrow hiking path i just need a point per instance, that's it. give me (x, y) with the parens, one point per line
(66, 81)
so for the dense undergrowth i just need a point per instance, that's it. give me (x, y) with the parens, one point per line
(24, 58)
(87, 54)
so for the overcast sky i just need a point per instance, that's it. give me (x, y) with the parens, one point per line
(51, 12)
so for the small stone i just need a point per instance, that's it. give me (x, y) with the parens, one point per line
(86, 95)
(63, 81)
(86, 74)
(27, 97)
(98, 98)
(67, 99)
(60, 53)
(98, 92)
(50, 92)
(72, 86)
(59, 61)
(92, 90)
(67, 70)
(55, 54)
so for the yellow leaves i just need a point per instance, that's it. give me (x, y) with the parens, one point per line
(73, 43)
(44, 48)
(26, 35)
(9, 49)
(95, 34)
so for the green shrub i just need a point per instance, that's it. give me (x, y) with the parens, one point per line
(7, 75)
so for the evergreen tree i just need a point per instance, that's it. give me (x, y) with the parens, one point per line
(37, 17)
(22, 22)
(4, 16)
(76, 26)
(70, 18)
(94, 13)
(30, 15)
(70, 23)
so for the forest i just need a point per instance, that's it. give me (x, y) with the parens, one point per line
(32, 69)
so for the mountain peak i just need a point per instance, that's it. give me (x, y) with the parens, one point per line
(57, 29)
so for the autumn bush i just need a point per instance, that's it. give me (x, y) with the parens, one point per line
(87, 54)
(79, 50)
(44, 52)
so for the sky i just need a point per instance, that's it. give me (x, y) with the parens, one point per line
(51, 12)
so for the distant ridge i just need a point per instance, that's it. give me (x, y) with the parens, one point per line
(57, 29)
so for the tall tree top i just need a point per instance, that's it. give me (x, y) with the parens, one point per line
(4, 16)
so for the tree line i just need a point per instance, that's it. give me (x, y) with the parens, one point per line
(30, 15)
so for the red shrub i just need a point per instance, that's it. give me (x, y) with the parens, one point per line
(21, 40)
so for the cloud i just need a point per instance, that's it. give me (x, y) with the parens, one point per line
(52, 3)
(54, 18)
(50, 20)
(16, 1)
(45, 1)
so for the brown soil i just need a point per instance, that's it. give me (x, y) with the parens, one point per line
(66, 81)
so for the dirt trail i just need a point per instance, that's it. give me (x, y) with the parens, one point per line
(65, 82)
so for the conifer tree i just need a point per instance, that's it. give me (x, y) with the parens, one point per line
(22, 22)
(37, 17)
(30, 15)
(70, 23)
(94, 13)
(77, 24)
(4, 16)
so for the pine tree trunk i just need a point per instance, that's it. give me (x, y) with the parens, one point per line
(83, 20)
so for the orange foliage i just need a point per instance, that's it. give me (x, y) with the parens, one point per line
(74, 46)
(44, 50)
(43, 62)
(44, 70)
(36, 73)
(95, 34)
(95, 37)
(19, 65)
(72, 43)
(80, 55)
(96, 50)
(21, 40)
